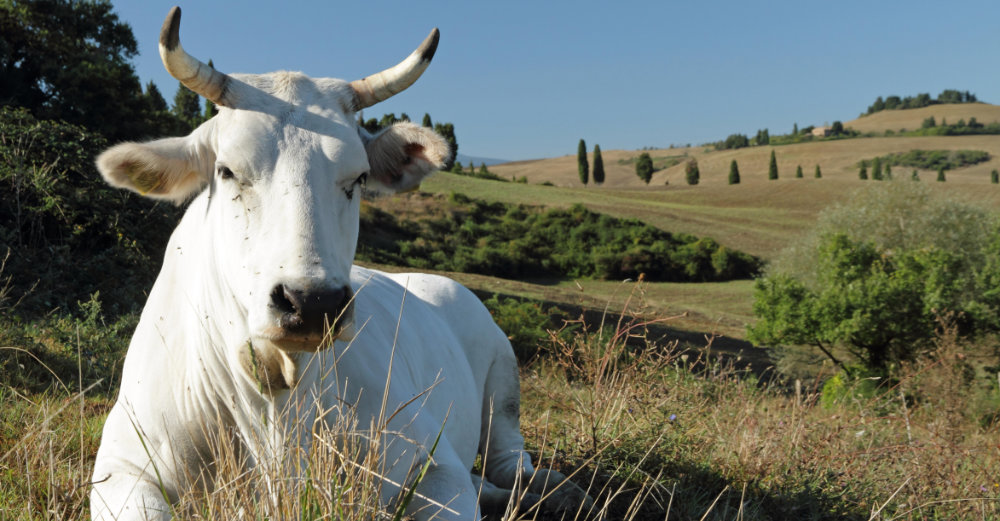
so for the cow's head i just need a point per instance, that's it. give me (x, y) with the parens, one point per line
(284, 164)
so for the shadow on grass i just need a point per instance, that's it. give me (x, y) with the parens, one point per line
(699, 493)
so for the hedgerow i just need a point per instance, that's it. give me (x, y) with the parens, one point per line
(516, 241)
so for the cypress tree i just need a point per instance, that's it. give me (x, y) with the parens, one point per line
(772, 169)
(818, 173)
(691, 172)
(598, 165)
(877, 169)
(798, 172)
(582, 167)
(863, 173)
(940, 176)
(995, 177)
(581, 162)
(426, 123)
(888, 172)
(734, 173)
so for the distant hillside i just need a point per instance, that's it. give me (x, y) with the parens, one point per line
(465, 160)
(911, 119)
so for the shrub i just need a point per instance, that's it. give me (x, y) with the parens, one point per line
(877, 274)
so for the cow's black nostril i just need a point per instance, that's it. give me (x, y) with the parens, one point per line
(309, 311)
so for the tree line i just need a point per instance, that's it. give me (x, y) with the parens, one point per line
(920, 100)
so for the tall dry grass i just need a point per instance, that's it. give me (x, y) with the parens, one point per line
(651, 431)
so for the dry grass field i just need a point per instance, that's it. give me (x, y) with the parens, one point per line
(911, 119)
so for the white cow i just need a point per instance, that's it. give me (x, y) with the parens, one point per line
(259, 272)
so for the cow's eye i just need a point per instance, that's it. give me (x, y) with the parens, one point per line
(360, 181)
(225, 173)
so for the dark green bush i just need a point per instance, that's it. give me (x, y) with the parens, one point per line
(518, 241)
(68, 233)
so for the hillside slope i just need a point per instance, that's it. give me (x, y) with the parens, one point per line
(757, 216)
(911, 119)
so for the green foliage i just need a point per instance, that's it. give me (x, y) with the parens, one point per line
(69, 233)
(920, 100)
(187, 107)
(940, 176)
(691, 173)
(879, 273)
(426, 122)
(877, 169)
(598, 165)
(70, 61)
(929, 122)
(644, 167)
(763, 137)
(529, 327)
(995, 176)
(931, 159)
(519, 242)
(734, 141)
(581, 162)
(772, 168)
(734, 173)
(818, 174)
(798, 171)
(863, 172)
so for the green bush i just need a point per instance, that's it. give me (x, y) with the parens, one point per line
(930, 159)
(529, 327)
(880, 272)
(68, 233)
(517, 241)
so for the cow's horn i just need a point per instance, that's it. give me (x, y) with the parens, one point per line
(194, 74)
(386, 84)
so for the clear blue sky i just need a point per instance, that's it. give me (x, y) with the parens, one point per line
(528, 79)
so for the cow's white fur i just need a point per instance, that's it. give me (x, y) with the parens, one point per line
(289, 214)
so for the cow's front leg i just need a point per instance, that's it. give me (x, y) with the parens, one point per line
(445, 493)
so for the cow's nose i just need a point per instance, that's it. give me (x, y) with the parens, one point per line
(311, 311)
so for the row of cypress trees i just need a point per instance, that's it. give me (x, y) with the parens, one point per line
(583, 168)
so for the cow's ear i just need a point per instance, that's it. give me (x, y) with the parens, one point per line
(402, 155)
(172, 169)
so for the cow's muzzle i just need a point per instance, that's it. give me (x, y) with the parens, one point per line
(309, 316)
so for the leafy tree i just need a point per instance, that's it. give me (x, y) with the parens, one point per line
(863, 173)
(940, 176)
(426, 123)
(598, 165)
(877, 274)
(818, 174)
(795, 129)
(798, 171)
(763, 137)
(929, 122)
(734, 173)
(837, 128)
(69, 61)
(691, 173)
(581, 162)
(772, 169)
(644, 167)
(734, 141)
(995, 176)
